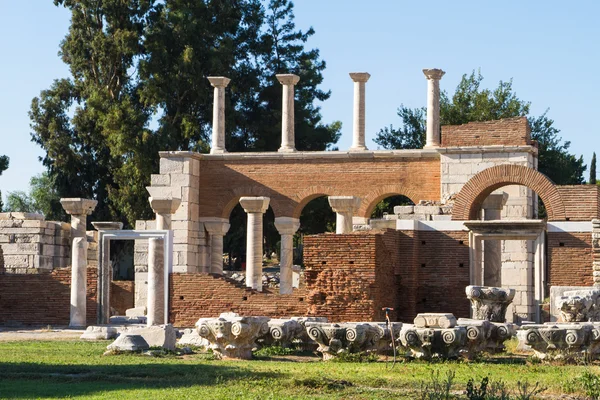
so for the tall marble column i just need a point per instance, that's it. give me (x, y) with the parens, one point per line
(216, 229)
(218, 128)
(358, 131)
(287, 227)
(78, 209)
(492, 249)
(288, 141)
(433, 137)
(255, 207)
(164, 207)
(344, 207)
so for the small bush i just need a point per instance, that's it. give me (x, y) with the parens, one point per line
(270, 351)
(588, 381)
(356, 357)
(437, 389)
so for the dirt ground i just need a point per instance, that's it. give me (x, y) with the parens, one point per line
(47, 333)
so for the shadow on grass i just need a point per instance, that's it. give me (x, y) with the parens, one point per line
(32, 380)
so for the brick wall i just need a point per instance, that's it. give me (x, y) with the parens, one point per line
(42, 299)
(507, 132)
(122, 295)
(582, 202)
(441, 277)
(570, 259)
(202, 295)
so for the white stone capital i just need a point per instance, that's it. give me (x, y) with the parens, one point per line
(164, 206)
(287, 225)
(433, 74)
(344, 204)
(217, 227)
(360, 76)
(78, 206)
(107, 226)
(288, 79)
(255, 204)
(219, 81)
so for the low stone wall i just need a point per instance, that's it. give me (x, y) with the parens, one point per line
(202, 295)
(43, 299)
(32, 245)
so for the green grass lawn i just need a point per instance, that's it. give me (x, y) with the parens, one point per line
(62, 369)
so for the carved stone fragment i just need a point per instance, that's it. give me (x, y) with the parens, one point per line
(489, 303)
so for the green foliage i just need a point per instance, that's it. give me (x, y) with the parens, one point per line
(388, 204)
(270, 351)
(42, 198)
(470, 102)
(588, 381)
(360, 357)
(436, 388)
(4, 162)
(593, 170)
(138, 85)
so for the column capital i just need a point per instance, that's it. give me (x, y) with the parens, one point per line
(217, 226)
(255, 204)
(288, 79)
(219, 81)
(360, 76)
(78, 206)
(434, 74)
(340, 204)
(287, 225)
(495, 201)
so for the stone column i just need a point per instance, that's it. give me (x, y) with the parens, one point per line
(164, 207)
(596, 251)
(218, 128)
(216, 229)
(255, 207)
(105, 270)
(358, 132)
(156, 282)
(288, 141)
(78, 209)
(433, 106)
(492, 249)
(344, 206)
(286, 226)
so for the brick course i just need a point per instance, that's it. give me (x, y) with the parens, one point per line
(122, 296)
(570, 264)
(507, 132)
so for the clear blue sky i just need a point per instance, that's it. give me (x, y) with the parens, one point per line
(547, 47)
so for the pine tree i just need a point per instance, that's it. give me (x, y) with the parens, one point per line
(593, 170)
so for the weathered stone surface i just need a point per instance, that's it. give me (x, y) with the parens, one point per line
(164, 336)
(128, 342)
(99, 333)
(429, 210)
(21, 216)
(124, 320)
(191, 337)
(404, 209)
(136, 312)
(282, 332)
(435, 320)
(427, 343)
(553, 341)
(483, 335)
(232, 336)
(489, 303)
(330, 337)
(580, 305)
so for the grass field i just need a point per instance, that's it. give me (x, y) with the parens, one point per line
(62, 369)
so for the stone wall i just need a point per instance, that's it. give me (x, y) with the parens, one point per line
(582, 202)
(505, 132)
(195, 296)
(32, 245)
(43, 299)
(140, 264)
(570, 259)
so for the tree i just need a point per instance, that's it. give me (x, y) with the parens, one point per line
(42, 198)
(4, 162)
(138, 85)
(593, 170)
(470, 103)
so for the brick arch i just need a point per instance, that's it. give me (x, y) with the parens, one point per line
(233, 198)
(370, 201)
(304, 196)
(479, 187)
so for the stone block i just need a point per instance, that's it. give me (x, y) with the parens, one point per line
(99, 333)
(441, 217)
(435, 320)
(171, 165)
(404, 209)
(191, 337)
(413, 217)
(164, 336)
(136, 311)
(140, 258)
(128, 342)
(428, 210)
(21, 216)
(160, 180)
(181, 180)
(16, 261)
